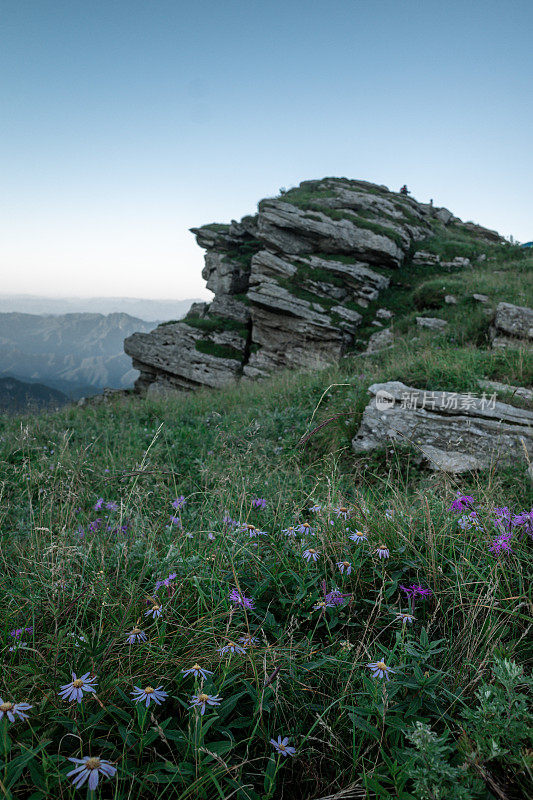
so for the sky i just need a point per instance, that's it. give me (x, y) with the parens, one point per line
(126, 122)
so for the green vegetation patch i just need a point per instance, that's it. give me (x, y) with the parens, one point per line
(218, 350)
(214, 324)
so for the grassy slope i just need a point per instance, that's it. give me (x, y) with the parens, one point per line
(63, 573)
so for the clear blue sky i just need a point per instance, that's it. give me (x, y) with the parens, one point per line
(125, 122)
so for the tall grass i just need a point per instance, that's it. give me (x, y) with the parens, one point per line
(70, 571)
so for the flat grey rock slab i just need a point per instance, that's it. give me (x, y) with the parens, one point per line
(453, 432)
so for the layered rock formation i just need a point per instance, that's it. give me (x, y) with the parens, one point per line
(452, 432)
(290, 284)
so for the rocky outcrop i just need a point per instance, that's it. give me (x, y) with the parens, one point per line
(290, 283)
(513, 326)
(431, 323)
(452, 432)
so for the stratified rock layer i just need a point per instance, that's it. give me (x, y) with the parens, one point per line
(290, 283)
(452, 432)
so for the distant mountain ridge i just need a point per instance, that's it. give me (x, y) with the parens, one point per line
(17, 395)
(147, 310)
(77, 354)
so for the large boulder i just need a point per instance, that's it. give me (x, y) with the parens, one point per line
(452, 432)
(513, 326)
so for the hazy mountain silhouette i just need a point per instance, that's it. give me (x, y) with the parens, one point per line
(77, 354)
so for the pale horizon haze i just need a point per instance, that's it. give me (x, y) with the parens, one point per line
(127, 123)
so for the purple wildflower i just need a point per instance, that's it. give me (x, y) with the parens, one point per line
(12, 710)
(166, 581)
(415, 590)
(202, 700)
(525, 519)
(179, 502)
(93, 526)
(176, 521)
(501, 544)
(382, 551)
(239, 599)
(315, 508)
(149, 694)
(111, 506)
(282, 747)
(17, 633)
(311, 554)
(91, 768)
(232, 523)
(19, 645)
(259, 502)
(336, 598)
(75, 689)
(462, 502)
(99, 503)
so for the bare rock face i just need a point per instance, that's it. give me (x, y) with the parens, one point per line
(513, 326)
(431, 323)
(453, 432)
(291, 284)
(381, 340)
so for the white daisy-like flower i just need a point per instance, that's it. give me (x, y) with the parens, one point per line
(13, 710)
(76, 688)
(282, 746)
(380, 669)
(382, 551)
(231, 647)
(197, 671)
(202, 700)
(358, 537)
(149, 694)
(90, 767)
(155, 611)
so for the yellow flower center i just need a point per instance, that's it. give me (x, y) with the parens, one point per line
(281, 747)
(311, 550)
(382, 547)
(343, 509)
(6, 706)
(381, 665)
(305, 525)
(92, 763)
(78, 683)
(156, 607)
(149, 690)
(203, 697)
(346, 563)
(196, 666)
(250, 527)
(135, 631)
